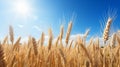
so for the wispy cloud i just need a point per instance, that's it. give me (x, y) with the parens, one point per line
(24, 39)
(37, 28)
(35, 17)
(74, 36)
(20, 26)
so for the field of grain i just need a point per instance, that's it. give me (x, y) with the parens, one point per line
(72, 53)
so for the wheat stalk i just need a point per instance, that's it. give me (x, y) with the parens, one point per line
(106, 35)
(80, 43)
(70, 44)
(63, 57)
(30, 55)
(16, 45)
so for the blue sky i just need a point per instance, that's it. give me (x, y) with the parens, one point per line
(38, 16)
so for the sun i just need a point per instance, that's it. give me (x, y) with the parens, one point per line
(22, 8)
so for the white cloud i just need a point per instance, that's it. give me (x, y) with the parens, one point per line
(74, 37)
(24, 39)
(35, 17)
(20, 26)
(37, 28)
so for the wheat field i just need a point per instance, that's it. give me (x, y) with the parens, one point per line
(72, 53)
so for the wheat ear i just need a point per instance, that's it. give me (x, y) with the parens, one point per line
(80, 44)
(61, 34)
(5, 40)
(16, 45)
(86, 33)
(118, 39)
(107, 29)
(50, 39)
(56, 43)
(34, 46)
(2, 61)
(70, 44)
(113, 40)
(42, 39)
(68, 32)
(11, 33)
